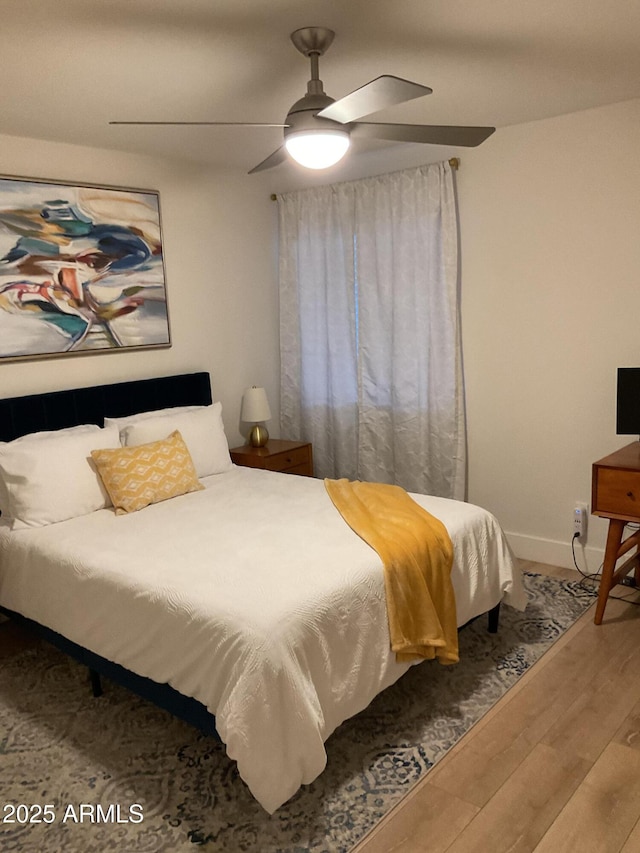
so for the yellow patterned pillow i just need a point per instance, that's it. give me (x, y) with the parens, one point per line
(138, 476)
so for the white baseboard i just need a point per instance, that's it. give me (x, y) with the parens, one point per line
(555, 553)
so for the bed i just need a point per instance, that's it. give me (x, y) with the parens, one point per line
(249, 607)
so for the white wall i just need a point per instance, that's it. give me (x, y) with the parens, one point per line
(550, 219)
(219, 249)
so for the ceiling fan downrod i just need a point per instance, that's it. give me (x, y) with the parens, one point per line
(313, 42)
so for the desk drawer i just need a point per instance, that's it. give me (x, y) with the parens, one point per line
(292, 461)
(617, 492)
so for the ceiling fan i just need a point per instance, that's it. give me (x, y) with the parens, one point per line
(318, 129)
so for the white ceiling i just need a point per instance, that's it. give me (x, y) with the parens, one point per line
(67, 67)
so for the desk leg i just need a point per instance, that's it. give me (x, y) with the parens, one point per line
(614, 540)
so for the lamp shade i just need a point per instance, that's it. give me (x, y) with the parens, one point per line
(255, 406)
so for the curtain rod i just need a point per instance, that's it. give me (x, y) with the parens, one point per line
(454, 162)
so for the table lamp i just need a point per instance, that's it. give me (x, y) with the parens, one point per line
(255, 409)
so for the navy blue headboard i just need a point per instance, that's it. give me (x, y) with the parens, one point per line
(60, 409)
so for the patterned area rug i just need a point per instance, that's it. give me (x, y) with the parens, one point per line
(116, 773)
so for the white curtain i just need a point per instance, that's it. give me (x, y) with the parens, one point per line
(371, 368)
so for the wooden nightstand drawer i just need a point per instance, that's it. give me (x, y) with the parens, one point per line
(305, 469)
(287, 457)
(617, 492)
(288, 460)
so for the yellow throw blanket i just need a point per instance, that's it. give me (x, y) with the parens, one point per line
(417, 553)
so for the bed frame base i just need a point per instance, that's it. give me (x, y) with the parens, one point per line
(493, 616)
(96, 684)
(162, 695)
(493, 619)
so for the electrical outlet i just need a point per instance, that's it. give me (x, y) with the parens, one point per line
(580, 521)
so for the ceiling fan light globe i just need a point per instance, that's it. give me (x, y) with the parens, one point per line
(317, 149)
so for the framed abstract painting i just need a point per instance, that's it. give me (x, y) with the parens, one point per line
(81, 270)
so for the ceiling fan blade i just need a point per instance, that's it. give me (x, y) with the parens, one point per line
(203, 123)
(434, 134)
(385, 91)
(278, 156)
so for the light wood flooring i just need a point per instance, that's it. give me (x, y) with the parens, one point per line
(554, 767)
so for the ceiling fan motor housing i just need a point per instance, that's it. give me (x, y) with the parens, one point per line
(303, 115)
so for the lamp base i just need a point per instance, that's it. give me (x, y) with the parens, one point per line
(258, 436)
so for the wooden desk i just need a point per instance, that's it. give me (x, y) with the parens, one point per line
(289, 457)
(615, 494)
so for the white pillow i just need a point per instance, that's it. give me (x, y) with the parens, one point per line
(121, 423)
(46, 477)
(202, 430)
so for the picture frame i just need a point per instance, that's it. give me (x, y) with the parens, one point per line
(81, 270)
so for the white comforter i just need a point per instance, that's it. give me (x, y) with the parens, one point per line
(252, 596)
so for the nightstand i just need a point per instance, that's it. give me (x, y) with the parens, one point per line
(288, 457)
